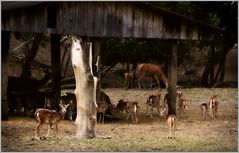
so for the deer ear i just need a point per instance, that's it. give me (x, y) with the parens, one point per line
(60, 105)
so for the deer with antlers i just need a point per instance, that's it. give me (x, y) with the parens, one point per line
(50, 117)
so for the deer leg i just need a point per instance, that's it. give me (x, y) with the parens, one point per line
(103, 118)
(49, 129)
(56, 129)
(152, 112)
(165, 80)
(170, 132)
(131, 82)
(158, 110)
(125, 83)
(128, 115)
(147, 108)
(37, 131)
(216, 112)
(135, 117)
(157, 79)
(173, 132)
(139, 83)
(139, 80)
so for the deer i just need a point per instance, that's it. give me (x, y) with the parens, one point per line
(132, 111)
(171, 122)
(131, 108)
(128, 80)
(102, 107)
(182, 105)
(50, 117)
(70, 99)
(153, 101)
(122, 107)
(179, 94)
(204, 110)
(213, 105)
(153, 71)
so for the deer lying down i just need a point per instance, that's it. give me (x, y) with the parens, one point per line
(50, 117)
(171, 121)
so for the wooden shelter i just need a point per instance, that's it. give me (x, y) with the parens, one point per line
(95, 20)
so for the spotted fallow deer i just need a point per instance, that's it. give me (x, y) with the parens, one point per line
(50, 117)
(172, 122)
(133, 110)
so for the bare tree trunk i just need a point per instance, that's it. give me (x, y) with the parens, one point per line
(81, 56)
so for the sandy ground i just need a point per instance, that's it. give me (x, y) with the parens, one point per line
(150, 134)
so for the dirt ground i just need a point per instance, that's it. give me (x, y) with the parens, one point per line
(150, 134)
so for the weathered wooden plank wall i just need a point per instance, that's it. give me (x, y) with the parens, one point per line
(25, 20)
(106, 19)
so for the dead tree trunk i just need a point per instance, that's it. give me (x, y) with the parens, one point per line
(81, 56)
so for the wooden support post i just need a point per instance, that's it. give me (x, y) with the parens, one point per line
(55, 63)
(96, 64)
(81, 56)
(172, 79)
(5, 64)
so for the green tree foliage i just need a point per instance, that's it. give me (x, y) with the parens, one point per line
(223, 14)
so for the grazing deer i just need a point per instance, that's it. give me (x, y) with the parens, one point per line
(128, 80)
(154, 101)
(122, 106)
(50, 117)
(171, 121)
(204, 110)
(213, 104)
(153, 71)
(133, 109)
